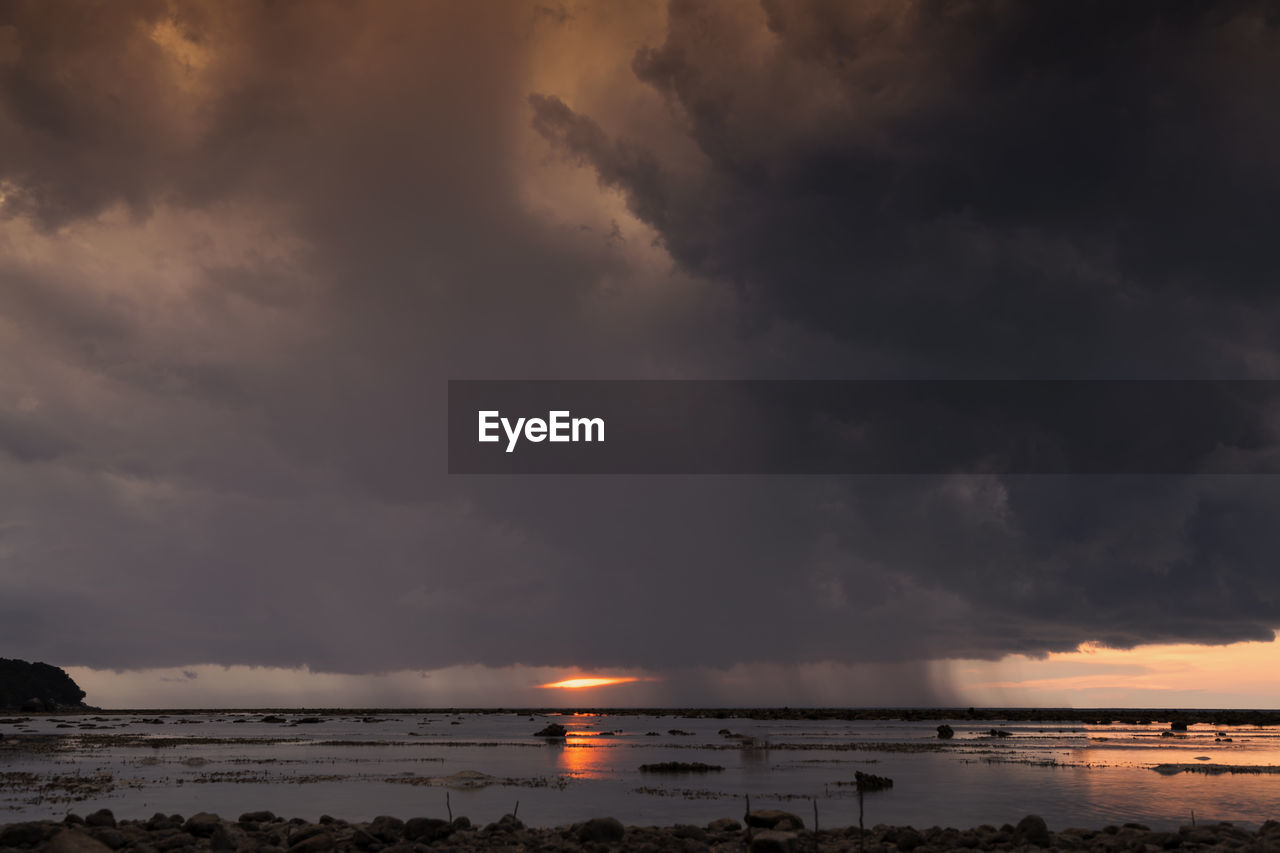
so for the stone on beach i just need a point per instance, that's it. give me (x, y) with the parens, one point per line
(773, 841)
(224, 838)
(75, 841)
(906, 839)
(1033, 829)
(113, 838)
(386, 828)
(426, 829)
(603, 834)
(201, 824)
(601, 829)
(26, 834)
(317, 843)
(774, 819)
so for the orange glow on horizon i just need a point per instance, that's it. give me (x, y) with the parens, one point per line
(1235, 675)
(588, 681)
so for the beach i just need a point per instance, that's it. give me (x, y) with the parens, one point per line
(765, 831)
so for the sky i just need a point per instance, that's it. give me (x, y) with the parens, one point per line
(244, 246)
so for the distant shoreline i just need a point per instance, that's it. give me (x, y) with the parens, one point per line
(1092, 716)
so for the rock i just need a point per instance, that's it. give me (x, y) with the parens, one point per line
(680, 767)
(871, 782)
(202, 824)
(110, 836)
(686, 830)
(773, 841)
(1178, 726)
(223, 838)
(257, 817)
(406, 847)
(386, 829)
(302, 833)
(1034, 830)
(26, 834)
(552, 730)
(313, 844)
(908, 839)
(427, 829)
(774, 819)
(176, 841)
(506, 823)
(102, 817)
(999, 733)
(724, 824)
(945, 732)
(461, 823)
(75, 841)
(363, 840)
(601, 829)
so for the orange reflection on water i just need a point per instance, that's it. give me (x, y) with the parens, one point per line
(582, 757)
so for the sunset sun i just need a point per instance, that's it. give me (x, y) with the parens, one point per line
(588, 681)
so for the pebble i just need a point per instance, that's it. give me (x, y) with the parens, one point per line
(768, 831)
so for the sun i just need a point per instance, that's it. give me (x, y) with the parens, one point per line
(589, 681)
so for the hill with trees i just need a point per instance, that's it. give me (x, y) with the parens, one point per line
(37, 687)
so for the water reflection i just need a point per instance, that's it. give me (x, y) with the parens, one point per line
(582, 756)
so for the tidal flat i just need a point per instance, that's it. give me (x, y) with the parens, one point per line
(353, 766)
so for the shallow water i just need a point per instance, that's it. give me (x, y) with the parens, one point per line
(483, 765)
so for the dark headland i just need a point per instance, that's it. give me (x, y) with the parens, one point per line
(38, 687)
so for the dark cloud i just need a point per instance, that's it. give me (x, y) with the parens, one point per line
(984, 190)
(248, 243)
(981, 189)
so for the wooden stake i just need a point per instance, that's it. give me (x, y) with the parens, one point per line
(861, 831)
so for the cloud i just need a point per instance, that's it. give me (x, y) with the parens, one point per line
(246, 245)
(973, 190)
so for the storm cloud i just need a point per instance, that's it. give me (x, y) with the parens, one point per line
(243, 246)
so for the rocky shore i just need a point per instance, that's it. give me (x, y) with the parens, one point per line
(766, 831)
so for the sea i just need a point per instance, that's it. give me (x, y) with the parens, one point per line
(356, 766)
